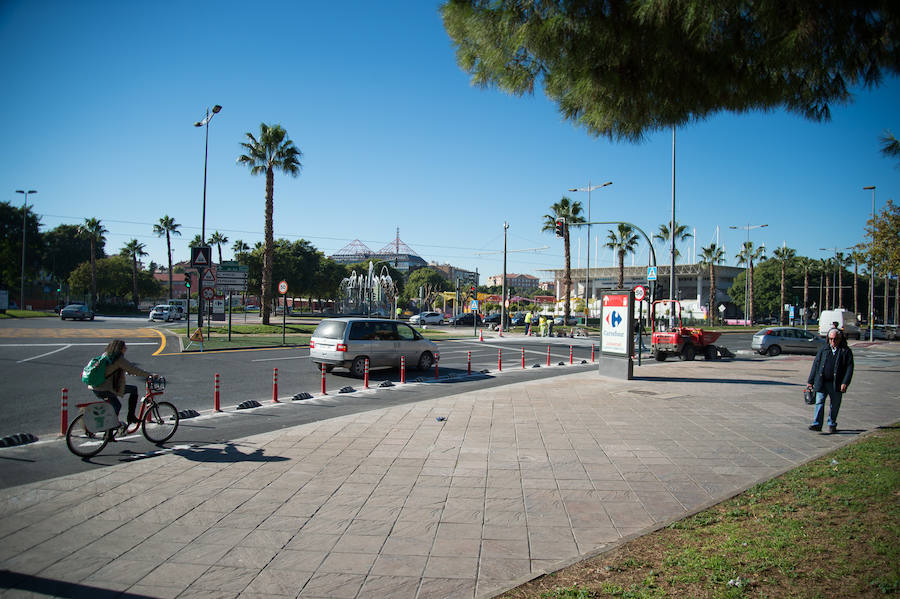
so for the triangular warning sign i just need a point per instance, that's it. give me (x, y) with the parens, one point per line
(200, 260)
(197, 335)
(200, 257)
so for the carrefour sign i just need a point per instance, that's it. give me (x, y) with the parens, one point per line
(616, 327)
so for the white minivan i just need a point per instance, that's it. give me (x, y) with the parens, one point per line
(846, 321)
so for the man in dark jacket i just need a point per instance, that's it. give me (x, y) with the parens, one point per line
(830, 376)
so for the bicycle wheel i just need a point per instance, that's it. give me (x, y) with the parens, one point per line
(160, 422)
(82, 443)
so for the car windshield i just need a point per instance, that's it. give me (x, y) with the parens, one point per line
(330, 329)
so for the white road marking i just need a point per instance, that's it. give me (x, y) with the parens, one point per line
(274, 359)
(45, 354)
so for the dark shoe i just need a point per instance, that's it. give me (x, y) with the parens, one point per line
(832, 429)
(132, 419)
(815, 427)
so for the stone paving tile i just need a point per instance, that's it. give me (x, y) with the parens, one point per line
(442, 588)
(225, 579)
(333, 585)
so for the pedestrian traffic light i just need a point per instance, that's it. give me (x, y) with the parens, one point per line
(560, 227)
(187, 280)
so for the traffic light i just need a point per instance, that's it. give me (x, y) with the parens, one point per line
(187, 280)
(472, 291)
(560, 227)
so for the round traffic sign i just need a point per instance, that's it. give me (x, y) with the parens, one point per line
(282, 287)
(208, 293)
(639, 292)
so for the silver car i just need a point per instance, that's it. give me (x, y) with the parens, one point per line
(347, 342)
(427, 318)
(775, 340)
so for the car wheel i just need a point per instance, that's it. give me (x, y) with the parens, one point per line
(774, 350)
(358, 367)
(62, 317)
(92, 317)
(426, 361)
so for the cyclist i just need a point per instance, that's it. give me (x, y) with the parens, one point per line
(114, 385)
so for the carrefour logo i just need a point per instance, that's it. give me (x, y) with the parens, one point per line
(614, 318)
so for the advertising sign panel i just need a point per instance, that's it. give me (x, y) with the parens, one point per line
(615, 331)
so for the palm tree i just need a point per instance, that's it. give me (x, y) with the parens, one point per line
(566, 209)
(681, 234)
(805, 263)
(857, 255)
(712, 255)
(218, 239)
(134, 249)
(272, 151)
(784, 255)
(239, 247)
(197, 242)
(746, 257)
(168, 227)
(841, 261)
(94, 231)
(624, 241)
(825, 265)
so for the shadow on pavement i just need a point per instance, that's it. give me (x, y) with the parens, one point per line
(59, 588)
(227, 454)
(675, 379)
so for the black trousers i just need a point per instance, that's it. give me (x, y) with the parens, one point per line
(130, 391)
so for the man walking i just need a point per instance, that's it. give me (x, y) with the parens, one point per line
(829, 377)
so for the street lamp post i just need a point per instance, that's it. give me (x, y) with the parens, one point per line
(24, 215)
(204, 123)
(587, 276)
(748, 227)
(872, 272)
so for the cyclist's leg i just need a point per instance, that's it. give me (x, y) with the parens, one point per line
(132, 393)
(110, 397)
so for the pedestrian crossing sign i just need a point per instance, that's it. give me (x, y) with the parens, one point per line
(651, 273)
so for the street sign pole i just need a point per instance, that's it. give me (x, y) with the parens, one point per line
(229, 316)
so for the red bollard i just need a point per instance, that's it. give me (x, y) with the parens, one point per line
(216, 394)
(548, 355)
(64, 412)
(500, 360)
(323, 380)
(366, 375)
(523, 357)
(402, 369)
(592, 352)
(571, 361)
(468, 362)
(436, 368)
(274, 385)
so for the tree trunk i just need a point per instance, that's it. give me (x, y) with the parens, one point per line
(621, 268)
(134, 279)
(827, 295)
(269, 251)
(169, 254)
(781, 319)
(840, 286)
(93, 276)
(567, 280)
(887, 293)
(750, 287)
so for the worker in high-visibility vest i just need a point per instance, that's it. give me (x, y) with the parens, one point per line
(542, 324)
(528, 322)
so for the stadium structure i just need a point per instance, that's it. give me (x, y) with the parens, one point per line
(396, 253)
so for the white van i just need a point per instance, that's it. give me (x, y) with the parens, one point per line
(846, 321)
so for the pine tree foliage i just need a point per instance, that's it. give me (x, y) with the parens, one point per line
(623, 69)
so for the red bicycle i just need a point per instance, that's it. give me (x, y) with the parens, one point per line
(97, 424)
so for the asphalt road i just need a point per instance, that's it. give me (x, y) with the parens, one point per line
(38, 357)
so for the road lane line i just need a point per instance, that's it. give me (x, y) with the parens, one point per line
(274, 359)
(46, 354)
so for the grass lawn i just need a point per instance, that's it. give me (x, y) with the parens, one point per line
(27, 314)
(252, 335)
(827, 529)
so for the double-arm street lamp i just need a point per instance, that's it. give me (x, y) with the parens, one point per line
(24, 215)
(210, 113)
(872, 273)
(748, 227)
(587, 277)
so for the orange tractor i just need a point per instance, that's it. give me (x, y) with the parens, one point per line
(681, 341)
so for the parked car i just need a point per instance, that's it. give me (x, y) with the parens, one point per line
(347, 342)
(177, 312)
(465, 319)
(559, 320)
(775, 340)
(517, 320)
(162, 312)
(427, 318)
(888, 332)
(251, 308)
(76, 312)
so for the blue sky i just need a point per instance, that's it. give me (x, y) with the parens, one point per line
(101, 98)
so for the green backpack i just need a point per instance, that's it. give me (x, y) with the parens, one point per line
(95, 372)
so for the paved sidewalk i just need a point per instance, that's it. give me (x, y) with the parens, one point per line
(462, 496)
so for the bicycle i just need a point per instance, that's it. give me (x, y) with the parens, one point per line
(97, 424)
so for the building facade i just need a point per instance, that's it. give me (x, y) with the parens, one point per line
(514, 280)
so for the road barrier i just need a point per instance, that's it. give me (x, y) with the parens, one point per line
(216, 407)
(436, 360)
(571, 361)
(402, 369)
(64, 412)
(366, 375)
(323, 379)
(468, 362)
(274, 385)
(523, 357)
(592, 352)
(548, 355)
(500, 360)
